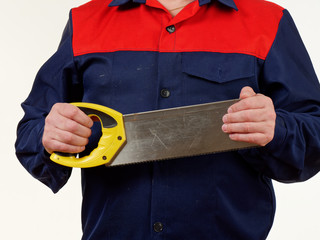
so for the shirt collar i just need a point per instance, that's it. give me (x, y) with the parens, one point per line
(228, 3)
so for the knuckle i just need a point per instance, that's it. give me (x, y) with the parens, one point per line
(246, 115)
(65, 109)
(71, 126)
(67, 138)
(273, 116)
(270, 137)
(247, 127)
(56, 146)
(246, 104)
(270, 112)
(65, 148)
(269, 127)
(250, 137)
(259, 140)
(56, 107)
(70, 111)
(50, 145)
(49, 118)
(45, 141)
(73, 111)
(269, 102)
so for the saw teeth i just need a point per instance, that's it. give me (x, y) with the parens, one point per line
(189, 156)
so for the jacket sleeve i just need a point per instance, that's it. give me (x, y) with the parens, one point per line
(56, 81)
(289, 79)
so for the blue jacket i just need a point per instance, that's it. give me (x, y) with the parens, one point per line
(121, 54)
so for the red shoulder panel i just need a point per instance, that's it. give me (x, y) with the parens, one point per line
(250, 30)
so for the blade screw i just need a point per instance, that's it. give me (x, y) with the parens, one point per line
(119, 138)
(104, 157)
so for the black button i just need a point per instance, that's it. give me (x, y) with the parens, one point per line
(158, 227)
(165, 93)
(171, 29)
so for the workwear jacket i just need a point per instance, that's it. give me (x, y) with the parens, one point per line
(133, 56)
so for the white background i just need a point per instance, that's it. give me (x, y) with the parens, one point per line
(31, 31)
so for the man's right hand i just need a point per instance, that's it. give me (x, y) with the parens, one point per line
(67, 129)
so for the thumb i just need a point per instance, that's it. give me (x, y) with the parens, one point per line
(247, 92)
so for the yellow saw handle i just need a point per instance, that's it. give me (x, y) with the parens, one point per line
(111, 142)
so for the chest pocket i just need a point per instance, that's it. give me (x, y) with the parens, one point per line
(216, 76)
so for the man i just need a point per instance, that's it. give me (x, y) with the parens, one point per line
(138, 55)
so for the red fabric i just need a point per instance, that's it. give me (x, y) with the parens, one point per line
(212, 28)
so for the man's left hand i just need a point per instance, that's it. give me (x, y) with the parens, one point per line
(252, 119)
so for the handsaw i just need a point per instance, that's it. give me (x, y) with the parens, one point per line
(155, 135)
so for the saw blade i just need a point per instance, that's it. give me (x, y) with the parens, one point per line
(176, 133)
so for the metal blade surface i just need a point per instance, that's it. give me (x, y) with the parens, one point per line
(176, 132)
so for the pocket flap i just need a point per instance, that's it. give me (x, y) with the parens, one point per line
(218, 67)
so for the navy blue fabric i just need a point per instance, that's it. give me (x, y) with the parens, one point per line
(294, 154)
(219, 196)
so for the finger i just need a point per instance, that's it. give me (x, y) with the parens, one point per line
(247, 92)
(65, 124)
(258, 101)
(247, 127)
(70, 111)
(251, 115)
(254, 138)
(56, 146)
(69, 138)
(73, 127)
(63, 141)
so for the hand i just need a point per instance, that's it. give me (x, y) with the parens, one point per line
(67, 129)
(252, 119)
